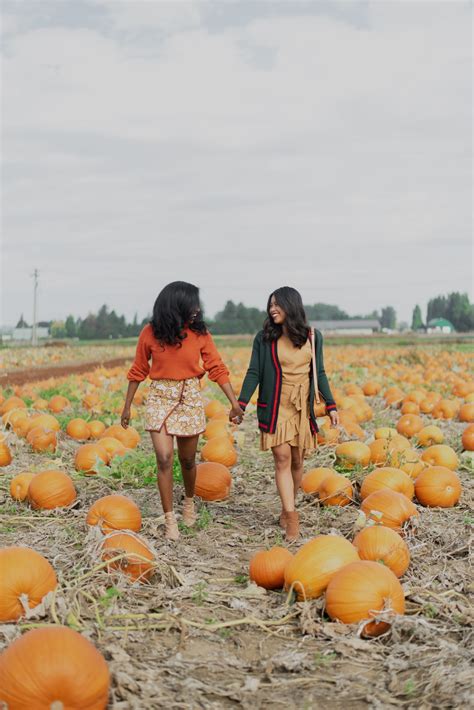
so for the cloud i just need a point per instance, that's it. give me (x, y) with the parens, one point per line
(326, 151)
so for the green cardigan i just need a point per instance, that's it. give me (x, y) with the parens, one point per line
(265, 371)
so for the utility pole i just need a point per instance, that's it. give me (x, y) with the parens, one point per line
(34, 334)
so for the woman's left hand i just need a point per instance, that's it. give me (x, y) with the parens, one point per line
(236, 414)
(334, 417)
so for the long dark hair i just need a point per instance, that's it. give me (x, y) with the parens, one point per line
(290, 301)
(177, 307)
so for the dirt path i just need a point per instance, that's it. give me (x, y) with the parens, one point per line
(20, 377)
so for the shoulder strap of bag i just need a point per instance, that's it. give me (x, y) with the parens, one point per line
(313, 358)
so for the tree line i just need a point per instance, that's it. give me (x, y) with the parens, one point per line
(235, 318)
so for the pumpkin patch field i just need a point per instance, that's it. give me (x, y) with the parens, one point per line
(369, 608)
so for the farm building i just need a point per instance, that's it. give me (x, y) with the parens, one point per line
(22, 334)
(358, 326)
(440, 325)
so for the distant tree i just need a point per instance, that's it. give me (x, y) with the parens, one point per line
(388, 318)
(88, 328)
(436, 308)
(70, 326)
(58, 329)
(455, 307)
(325, 311)
(416, 320)
(22, 323)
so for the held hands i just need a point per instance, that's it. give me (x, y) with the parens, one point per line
(334, 417)
(125, 417)
(236, 414)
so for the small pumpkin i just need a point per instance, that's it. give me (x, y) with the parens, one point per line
(409, 424)
(219, 450)
(96, 428)
(89, 456)
(42, 440)
(353, 453)
(313, 479)
(46, 421)
(78, 429)
(267, 567)
(371, 388)
(137, 560)
(58, 403)
(387, 478)
(335, 490)
(115, 512)
(467, 438)
(466, 412)
(5, 454)
(313, 566)
(441, 455)
(19, 485)
(129, 437)
(53, 667)
(381, 544)
(438, 486)
(389, 508)
(213, 407)
(12, 403)
(113, 447)
(361, 590)
(51, 489)
(25, 576)
(213, 481)
(429, 435)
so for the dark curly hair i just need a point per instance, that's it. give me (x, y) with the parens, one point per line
(290, 301)
(177, 307)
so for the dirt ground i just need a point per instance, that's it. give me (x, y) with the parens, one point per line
(201, 636)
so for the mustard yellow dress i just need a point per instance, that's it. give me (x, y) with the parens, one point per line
(293, 426)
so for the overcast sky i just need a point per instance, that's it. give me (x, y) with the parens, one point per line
(237, 145)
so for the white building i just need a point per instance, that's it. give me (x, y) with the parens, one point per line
(358, 326)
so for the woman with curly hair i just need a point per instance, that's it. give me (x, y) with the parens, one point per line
(177, 341)
(287, 365)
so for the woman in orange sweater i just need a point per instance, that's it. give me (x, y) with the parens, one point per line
(176, 340)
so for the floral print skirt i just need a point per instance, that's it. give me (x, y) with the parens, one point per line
(177, 405)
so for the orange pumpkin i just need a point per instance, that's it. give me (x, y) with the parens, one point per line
(313, 566)
(467, 438)
(213, 481)
(137, 560)
(408, 461)
(213, 407)
(64, 670)
(429, 435)
(5, 454)
(113, 447)
(313, 479)
(438, 486)
(46, 421)
(13, 416)
(89, 456)
(410, 408)
(387, 478)
(51, 489)
(409, 424)
(445, 409)
(78, 429)
(219, 450)
(466, 413)
(371, 388)
(389, 508)
(96, 428)
(216, 427)
(24, 575)
(58, 403)
(381, 544)
(129, 437)
(19, 485)
(441, 455)
(115, 512)
(12, 403)
(335, 490)
(385, 432)
(42, 440)
(267, 567)
(353, 453)
(360, 591)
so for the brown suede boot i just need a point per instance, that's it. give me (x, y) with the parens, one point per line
(283, 519)
(292, 526)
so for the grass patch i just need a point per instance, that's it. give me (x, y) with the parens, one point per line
(136, 469)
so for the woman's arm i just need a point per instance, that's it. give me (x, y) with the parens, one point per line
(252, 377)
(137, 373)
(132, 388)
(219, 373)
(323, 384)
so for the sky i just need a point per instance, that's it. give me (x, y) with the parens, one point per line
(240, 146)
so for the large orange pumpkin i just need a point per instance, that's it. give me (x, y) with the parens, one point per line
(385, 432)
(371, 388)
(129, 437)
(216, 427)
(24, 575)
(213, 481)
(267, 567)
(96, 428)
(335, 490)
(313, 479)
(311, 569)
(113, 447)
(78, 429)
(42, 440)
(12, 403)
(466, 413)
(385, 507)
(19, 485)
(353, 453)
(53, 667)
(409, 424)
(51, 489)
(58, 403)
(13, 417)
(5, 454)
(438, 486)
(47, 421)
(441, 455)
(445, 409)
(219, 450)
(408, 461)
(429, 435)
(361, 590)
(381, 544)
(467, 438)
(89, 456)
(137, 560)
(115, 512)
(213, 407)
(389, 478)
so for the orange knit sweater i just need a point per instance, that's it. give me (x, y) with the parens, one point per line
(171, 362)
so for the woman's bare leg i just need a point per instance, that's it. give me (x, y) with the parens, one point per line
(297, 467)
(163, 445)
(187, 447)
(283, 476)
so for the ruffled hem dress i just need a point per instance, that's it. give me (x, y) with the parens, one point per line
(293, 425)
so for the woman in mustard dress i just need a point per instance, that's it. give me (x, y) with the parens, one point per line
(288, 367)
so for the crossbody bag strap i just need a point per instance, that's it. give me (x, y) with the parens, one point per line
(313, 358)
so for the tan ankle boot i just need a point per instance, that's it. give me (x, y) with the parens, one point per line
(283, 519)
(292, 526)
(189, 514)
(172, 532)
